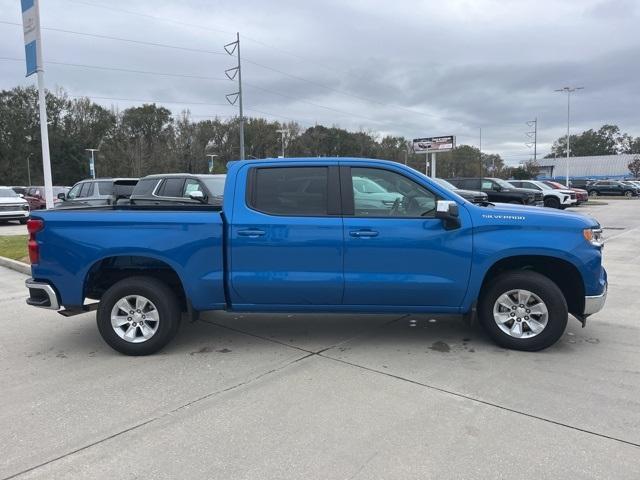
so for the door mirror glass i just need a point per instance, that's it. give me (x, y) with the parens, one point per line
(62, 196)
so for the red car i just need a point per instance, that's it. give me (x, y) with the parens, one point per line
(35, 196)
(581, 195)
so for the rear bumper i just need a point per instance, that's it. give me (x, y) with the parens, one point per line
(42, 295)
(595, 303)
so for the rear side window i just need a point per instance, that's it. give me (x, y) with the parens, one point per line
(171, 187)
(105, 188)
(87, 190)
(290, 190)
(145, 186)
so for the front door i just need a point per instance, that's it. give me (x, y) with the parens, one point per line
(396, 252)
(286, 237)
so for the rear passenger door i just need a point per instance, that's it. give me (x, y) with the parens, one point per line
(286, 240)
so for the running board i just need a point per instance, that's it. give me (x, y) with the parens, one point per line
(70, 312)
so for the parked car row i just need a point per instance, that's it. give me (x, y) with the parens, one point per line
(613, 187)
(499, 190)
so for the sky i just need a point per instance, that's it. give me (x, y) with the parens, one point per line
(410, 68)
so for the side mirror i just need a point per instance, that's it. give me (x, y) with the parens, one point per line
(62, 196)
(21, 195)
(497, 188)
(447, 211)
(197, 195)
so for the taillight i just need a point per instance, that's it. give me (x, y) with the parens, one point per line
(34, 225)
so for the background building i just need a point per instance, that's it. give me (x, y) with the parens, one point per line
(595, 167)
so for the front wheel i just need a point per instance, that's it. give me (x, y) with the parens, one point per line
(552, 202)
(628, 193)
(523, 310)
(138, 316)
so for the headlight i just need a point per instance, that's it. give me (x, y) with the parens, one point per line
(594, 236)
(25, 207)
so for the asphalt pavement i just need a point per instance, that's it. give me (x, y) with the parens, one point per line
(12, 228)
(266, 396)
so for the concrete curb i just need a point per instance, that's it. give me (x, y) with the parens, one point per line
(15, 265)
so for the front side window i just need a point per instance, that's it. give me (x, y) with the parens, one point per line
(389, 194)
(86, 190)
(487, 185)
(290, 190)
(191, 186)
(73, 193)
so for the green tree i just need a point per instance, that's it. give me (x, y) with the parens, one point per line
(607, 140)
(634, 167)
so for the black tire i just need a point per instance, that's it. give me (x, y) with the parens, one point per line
(552, 202)
(160, 295)
(541, 286)
(593, 193)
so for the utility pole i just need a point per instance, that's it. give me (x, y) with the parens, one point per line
(480, 148)
(533, 136)
(92, 162)
(569, 91)
(234, 97)
(283, 132)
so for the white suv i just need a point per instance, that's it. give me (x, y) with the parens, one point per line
(553, 198)
(13, 206)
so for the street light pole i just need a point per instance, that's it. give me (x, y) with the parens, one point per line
(210, 161)
(92, 164)
(282, 132)
(569, 91)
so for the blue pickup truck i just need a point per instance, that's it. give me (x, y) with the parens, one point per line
(293, 235)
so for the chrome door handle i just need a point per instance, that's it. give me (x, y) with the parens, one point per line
(363, 233)
(251, 232)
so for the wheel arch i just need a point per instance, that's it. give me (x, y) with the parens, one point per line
(111, 269)
(562, 272)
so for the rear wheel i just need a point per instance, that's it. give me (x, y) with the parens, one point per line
(138, 316)
(523, 310)
(593, 193)
(628, 193)
(552, 202)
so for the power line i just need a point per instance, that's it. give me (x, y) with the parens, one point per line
(119, 39)
(118, 69)
(207, 27)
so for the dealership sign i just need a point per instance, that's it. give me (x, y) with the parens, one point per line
(434, 144)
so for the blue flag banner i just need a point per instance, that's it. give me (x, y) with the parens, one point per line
(32, 42)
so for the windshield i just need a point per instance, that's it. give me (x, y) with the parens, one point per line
(543, 185)
(445, 184)
(7, 192)
(215, 184)
(502, 183)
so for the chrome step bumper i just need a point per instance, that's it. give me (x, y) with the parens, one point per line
(41, 295)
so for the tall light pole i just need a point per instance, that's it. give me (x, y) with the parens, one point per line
(569, 91)
(282, 133)
(92, 163)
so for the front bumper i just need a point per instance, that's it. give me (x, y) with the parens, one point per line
(14, 215)
(42, 295)
(595, 303)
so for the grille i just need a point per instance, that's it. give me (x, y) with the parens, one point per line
(538, 197)
(479, 198)
(10, 208)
